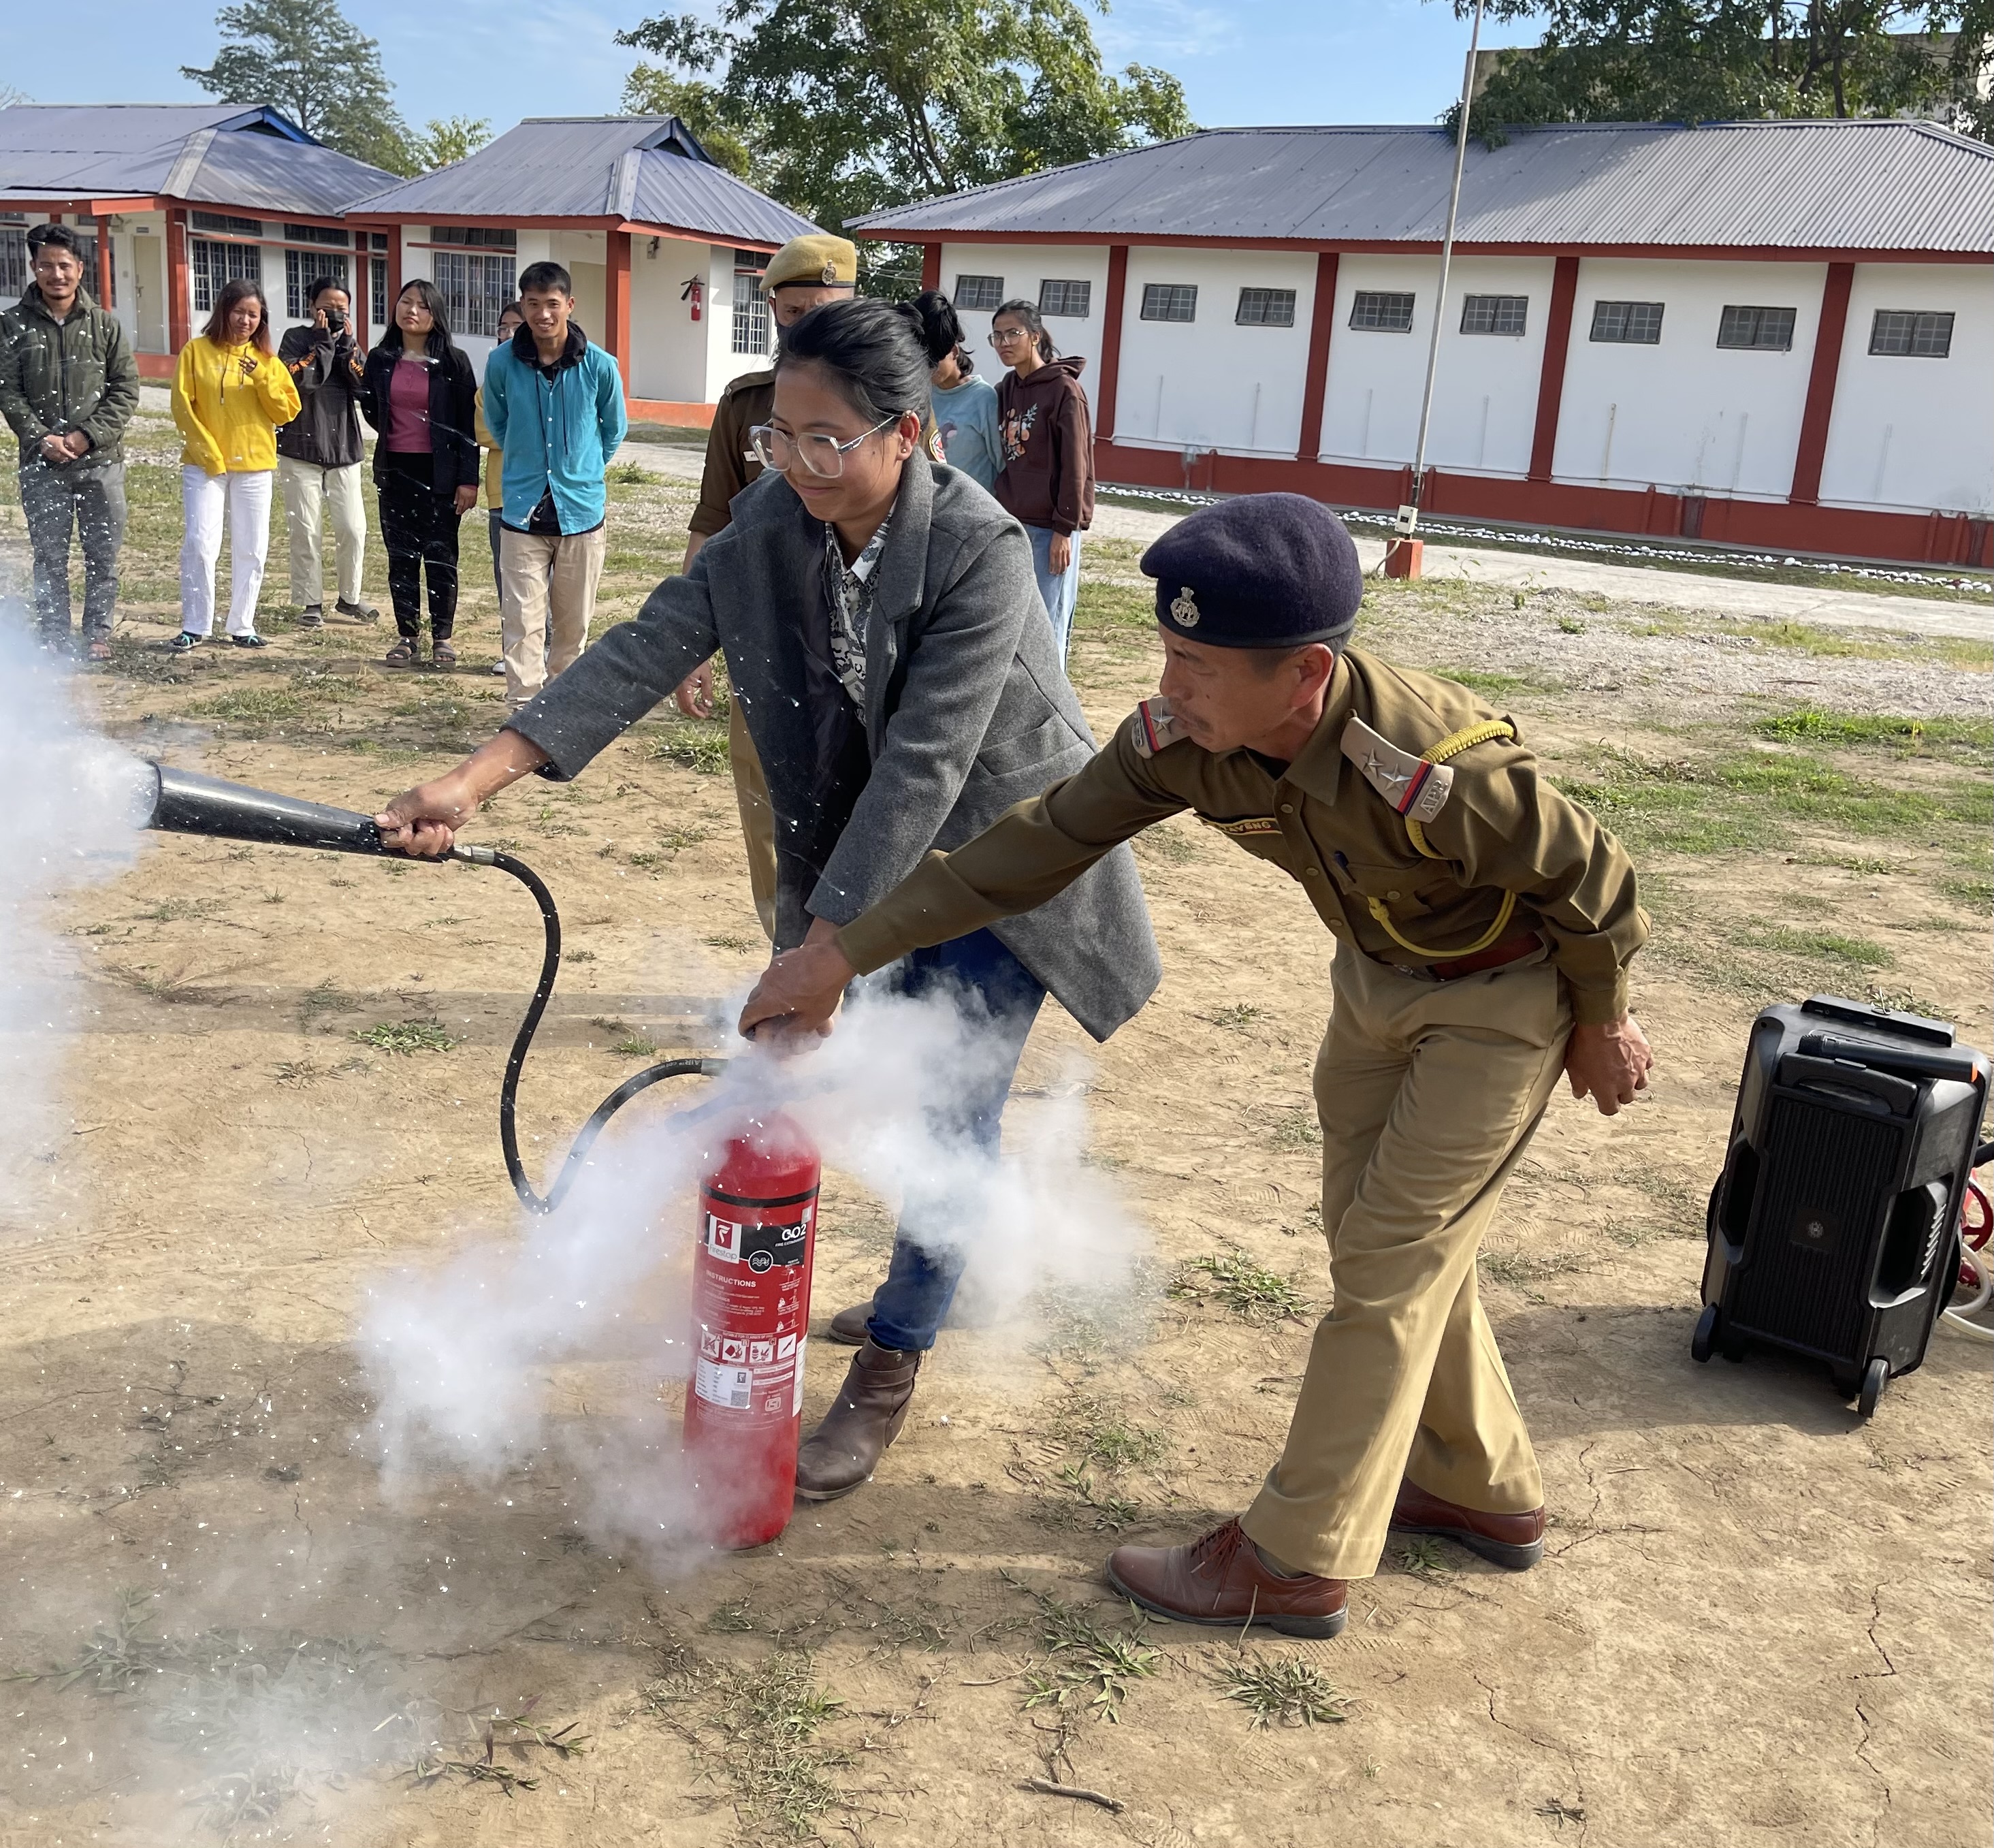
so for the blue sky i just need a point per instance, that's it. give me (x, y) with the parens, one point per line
(1244, 61)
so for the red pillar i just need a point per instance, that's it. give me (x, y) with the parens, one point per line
(394, 270)
(1315, 388)
(1551, 381)
(1110, 343)
(616, 303)
(179, 281)
(1815, 419)
(103, 269)
(930, 265)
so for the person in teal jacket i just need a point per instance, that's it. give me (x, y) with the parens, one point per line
(554, 403)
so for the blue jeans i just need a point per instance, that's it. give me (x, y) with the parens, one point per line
(1058, 589)
(995, 990)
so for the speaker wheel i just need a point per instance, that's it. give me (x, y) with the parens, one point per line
(1733, 1345)
(1702, 1342)
(1876, 1376)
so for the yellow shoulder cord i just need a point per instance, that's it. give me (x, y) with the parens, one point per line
(1451, 745)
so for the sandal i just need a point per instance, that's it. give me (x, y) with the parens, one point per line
(100, 651)
(401, 655)
(442, 655)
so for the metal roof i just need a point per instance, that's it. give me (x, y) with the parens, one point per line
(208, 154)
(1870, 185)
(646, 168)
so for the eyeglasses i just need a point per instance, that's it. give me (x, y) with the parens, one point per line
(1002, 337)
(823, 456)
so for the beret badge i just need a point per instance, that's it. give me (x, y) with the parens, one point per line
(829, 274)
(1183, 609)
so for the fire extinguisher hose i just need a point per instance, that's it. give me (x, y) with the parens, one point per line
(509, 1089)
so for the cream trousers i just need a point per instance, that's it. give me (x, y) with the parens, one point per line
(310, 491)
(546, 587)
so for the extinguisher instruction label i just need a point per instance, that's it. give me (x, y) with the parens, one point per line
(751, 1310)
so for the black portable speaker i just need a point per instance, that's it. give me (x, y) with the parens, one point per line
(1834, 1227)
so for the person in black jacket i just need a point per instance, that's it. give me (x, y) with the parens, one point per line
(420, 393)
(319, 454)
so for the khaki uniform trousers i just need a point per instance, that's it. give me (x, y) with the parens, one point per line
(1428, 1093)
(758, 819)
(546, 600)
(309, 492)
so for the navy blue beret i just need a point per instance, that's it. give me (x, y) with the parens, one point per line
(1260, 571)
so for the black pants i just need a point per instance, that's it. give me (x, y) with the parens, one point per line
(418, 526)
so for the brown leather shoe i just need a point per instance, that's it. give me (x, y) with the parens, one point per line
(1516, 1541)
(848, 1325)
(1219, 1578)
(865, 1418)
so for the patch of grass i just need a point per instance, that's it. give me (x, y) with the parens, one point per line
(731, 1615)
(722, 941)
(1520, 1269)
(1116, 608)
(1570, 625)
(1295, 1129)
(1087, 1664)
(1808, 725)
(402, 1037)
(1102, 1433)
(1163, 842)
(1421, 1556)
(1238, 1017)
(1285, 1690)
(254, 705)
(1815, 946)
(298, 1074)
(626, 474)
(1975, 894)
(176, 910)
(636, 1046)
(1496, 686)
(1233, 1281)
(1905, 1000)
(577, 955)
(704, 751)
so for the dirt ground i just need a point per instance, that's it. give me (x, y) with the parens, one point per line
(1759, 1623)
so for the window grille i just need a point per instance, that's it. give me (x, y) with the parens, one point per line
(475, 288)
(1768, 330)
(475, 235)
(377, 294)
(1382, 311)
(1911, 334)
(750, 313)
(1265, 308)
(1071, 299)
(14, 271)
(302, 268)
(979, 294)
(1494, 313)
(316, 233)
(1628, 323)
(237, 227)
(213, 265)
(1169, 301)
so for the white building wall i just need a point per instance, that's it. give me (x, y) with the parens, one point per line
(1485, 388)
(1911, 434)
(668, 348)
(1210, 383)
(723, 364)
(1686, 414)
(1023, 268)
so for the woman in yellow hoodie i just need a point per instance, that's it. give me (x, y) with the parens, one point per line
(230, 393)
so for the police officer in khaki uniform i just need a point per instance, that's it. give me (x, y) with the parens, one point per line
(804, 273)
(1484, 927)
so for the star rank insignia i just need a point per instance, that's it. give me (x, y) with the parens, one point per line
(1415, 788)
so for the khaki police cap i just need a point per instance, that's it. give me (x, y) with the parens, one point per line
(820, 260)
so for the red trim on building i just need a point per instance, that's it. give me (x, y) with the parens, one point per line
(179, 281)
(106, 294)
(394, 273)
(156, 365)
(1718, 253)
(930, 265)
(666, 410)
(1108, 386)
(616, 303)
(1322, 317)
(1934, 539)
(1812, 448)
(1551, 379)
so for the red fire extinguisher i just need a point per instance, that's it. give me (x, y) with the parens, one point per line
(694, 292)
(751, 1313)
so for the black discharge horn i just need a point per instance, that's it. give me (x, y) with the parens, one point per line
(189, 802)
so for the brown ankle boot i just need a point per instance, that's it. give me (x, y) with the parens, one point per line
(865, 1418)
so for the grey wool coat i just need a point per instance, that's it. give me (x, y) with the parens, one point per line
(968, 711)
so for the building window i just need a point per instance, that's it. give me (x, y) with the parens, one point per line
(477, 235)
(1494, 313)
(1383, 311)
(1169, 301)
(1265, 308)
(302, 268)
(14, 270)
(377, 240)
(1628, 323)
(1911, 334)
(1072, 300)
(474, 289)
(213, 265)
(1768, 330)
(377, 294)
(751, 313)
(980, 294)
(316, 233)
(235, 227)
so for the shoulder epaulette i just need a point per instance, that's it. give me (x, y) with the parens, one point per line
(1153, 727)
(1416, 787)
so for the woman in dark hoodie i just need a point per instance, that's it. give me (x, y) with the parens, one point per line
(1047, 483)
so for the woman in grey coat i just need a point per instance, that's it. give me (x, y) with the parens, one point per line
(885, 637)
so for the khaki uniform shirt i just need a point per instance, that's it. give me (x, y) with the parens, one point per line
(1501, 829)
(731, 461)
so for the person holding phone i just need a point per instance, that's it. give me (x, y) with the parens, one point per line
(230, 393)
(319, 454)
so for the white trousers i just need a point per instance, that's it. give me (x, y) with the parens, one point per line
(205, 499)
(309, 492)
(546, 600)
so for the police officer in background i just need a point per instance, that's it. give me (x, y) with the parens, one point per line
(805, 272)
(1484, 926)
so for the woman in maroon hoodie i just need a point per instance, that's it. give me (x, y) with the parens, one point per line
(1047, 483)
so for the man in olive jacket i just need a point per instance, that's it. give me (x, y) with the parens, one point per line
(68, 387)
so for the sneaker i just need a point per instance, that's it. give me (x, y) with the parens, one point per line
(312, 616)
(358, 612)
(185, 642)
(251, 641)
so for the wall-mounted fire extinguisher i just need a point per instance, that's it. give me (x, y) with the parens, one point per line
(750, 1316)
(694, 292)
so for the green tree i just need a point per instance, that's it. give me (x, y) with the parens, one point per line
(304, 58)
(1704, 60)
(649, 90)
(845, 107)
(449, 138)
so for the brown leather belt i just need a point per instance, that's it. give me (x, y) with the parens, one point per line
(1512, 949)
